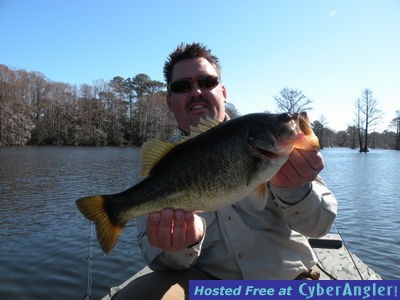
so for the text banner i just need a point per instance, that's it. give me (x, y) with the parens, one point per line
(294, 289)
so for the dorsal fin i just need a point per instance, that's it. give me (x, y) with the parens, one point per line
(204, 125)
(153, 150)
(151, 153)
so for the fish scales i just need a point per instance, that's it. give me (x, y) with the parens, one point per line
(204, 172)
(204, 178)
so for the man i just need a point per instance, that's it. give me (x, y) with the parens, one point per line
(247, 240)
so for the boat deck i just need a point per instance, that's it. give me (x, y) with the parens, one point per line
(335, 263)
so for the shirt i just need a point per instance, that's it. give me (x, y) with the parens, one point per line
(254, 238)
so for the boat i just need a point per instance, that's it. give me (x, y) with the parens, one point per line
(335, 262)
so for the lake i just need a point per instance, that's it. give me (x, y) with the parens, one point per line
(45, 240)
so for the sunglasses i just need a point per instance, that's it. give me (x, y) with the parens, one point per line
(185, 85)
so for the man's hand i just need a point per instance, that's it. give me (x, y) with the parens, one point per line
(174, 230)
(302, 167)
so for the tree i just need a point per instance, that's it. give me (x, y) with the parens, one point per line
(292, 101)
(16, 118)
(319, 130)
(143, 85)
(396, 124)
(115, 118)
(39, 89)
(152, 118)
(318, 127)
(326, 136)
(353, 135)
(341, 139)
(368, 114)
(359, 125)
(231, 110)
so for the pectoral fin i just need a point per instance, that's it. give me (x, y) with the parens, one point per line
(260, 192)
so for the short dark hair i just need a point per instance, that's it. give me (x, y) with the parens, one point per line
(184, 51)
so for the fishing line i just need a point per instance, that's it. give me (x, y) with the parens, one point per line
(323, 269)
(348, 251)
(89, 264)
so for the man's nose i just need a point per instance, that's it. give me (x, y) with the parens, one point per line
(196, 89)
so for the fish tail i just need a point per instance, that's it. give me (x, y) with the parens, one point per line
(108, 232)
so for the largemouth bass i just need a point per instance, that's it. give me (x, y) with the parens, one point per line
(215, 166)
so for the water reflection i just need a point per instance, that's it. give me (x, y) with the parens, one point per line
(44, 238)
(367, 188)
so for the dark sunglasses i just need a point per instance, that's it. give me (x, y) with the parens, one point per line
(185, 85)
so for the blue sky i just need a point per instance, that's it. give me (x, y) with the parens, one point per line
(331, 50)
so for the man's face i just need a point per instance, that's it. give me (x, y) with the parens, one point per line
(198, 99)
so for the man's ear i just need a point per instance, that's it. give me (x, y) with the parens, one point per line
(224, 93)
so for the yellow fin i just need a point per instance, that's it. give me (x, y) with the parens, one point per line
(153, 150)
(260, 192)
(107, 232)
(151, 153)
(204, 125)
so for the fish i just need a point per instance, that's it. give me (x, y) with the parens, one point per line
(216, 165)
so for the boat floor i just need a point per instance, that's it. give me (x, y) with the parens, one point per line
(335, 262)
(340, 263)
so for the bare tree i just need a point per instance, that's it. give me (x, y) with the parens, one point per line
(369, 114)
(153, 119)
(292, 101)
(359, 124)
(16, 117)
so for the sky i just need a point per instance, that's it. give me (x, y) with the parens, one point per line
(330, 50)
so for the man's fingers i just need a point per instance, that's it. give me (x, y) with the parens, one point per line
(191, 227)
(164, 229)
(314, 159)
(153, 221)
(173, 230)
(302, 167)
(178, 229)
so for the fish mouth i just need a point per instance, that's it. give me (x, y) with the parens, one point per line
(281, 150)
(277, 147)
(267, 153)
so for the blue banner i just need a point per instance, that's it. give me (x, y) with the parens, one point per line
(294, 289)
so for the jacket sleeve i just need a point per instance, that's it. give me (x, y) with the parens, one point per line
(309, 210)
(160, 260)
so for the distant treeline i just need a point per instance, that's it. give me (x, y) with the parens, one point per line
(122, 111)
(37, 111)
(350, 138)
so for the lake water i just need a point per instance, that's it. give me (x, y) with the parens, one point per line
(45, 240)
